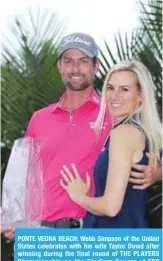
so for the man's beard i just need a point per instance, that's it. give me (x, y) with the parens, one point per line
(78, 86)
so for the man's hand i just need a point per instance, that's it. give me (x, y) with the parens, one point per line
(146, 177)
(8, 232)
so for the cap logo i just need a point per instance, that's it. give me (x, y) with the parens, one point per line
(72, 39)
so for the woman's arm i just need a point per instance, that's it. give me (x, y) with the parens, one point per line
(123, 143)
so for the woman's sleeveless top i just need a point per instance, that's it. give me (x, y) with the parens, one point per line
(133, 211)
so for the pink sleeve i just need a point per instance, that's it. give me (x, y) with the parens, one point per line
(30, 132)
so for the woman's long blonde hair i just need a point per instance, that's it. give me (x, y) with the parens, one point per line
(147, 115)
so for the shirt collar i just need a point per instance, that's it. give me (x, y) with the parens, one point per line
(94, 98)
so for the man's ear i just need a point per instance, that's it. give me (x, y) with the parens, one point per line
(97, 65)
(59, 65)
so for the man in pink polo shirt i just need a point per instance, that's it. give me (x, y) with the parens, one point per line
(65, 132)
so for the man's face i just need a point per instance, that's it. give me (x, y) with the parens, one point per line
(77, 70)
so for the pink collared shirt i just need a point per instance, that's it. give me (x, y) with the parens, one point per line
(66, 138)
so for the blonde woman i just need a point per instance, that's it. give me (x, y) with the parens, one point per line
(128, 93)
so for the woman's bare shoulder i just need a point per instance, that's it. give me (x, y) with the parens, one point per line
(128, 132)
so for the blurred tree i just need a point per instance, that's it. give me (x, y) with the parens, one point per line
(30, 79)
(145, 44)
